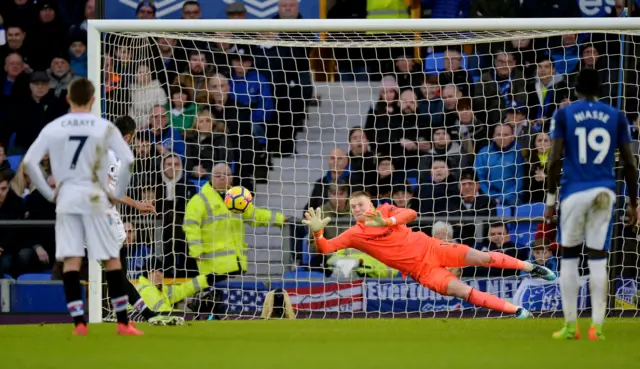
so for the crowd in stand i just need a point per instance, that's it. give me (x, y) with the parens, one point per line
(456, 133)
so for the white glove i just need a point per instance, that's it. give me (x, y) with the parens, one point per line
(315, 221)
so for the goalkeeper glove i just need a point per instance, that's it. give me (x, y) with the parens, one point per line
(375, 219)
(314, 220)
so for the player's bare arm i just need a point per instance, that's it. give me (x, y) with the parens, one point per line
(554, 165)
(629, 167)
(142, 207)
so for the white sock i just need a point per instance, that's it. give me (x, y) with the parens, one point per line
(598, 283)
(569, 286)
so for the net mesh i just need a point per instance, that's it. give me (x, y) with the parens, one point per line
(451, 124)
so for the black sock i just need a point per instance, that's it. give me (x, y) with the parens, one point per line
(137, 302)
(117, 292)
(73, 294)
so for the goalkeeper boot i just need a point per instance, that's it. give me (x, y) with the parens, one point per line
(570, 331)
(543, 272)
(80, 330)
(595, 332)
(522, 313)
(166, 320)
(128, 330)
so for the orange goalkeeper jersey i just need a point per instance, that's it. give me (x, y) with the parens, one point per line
(396, 246)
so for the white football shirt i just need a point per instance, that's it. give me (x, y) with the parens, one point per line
(113, 171)
(77, 144)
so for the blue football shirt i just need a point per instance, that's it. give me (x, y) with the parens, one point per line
(592, 131)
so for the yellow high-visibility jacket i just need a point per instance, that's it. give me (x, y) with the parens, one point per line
(163, 300)
(386, 9)
(215, 235)
(370, 266)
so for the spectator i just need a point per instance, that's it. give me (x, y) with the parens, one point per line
(405, 149)
(135, 253)
(566, 56)
(541, 254)
(78, 53)
(146, 10)
(116, 97)
(350, 62)
(60, 75)
(526, 56)
(191, 10)
(239, 128)
(499, 87)
(170, 59)
(251, 88)
(338, 170)
(437, 188)
(591, 59)
(16, 44)
(473, 133)
(450, 96)
(207, 144)
(447, 8)
(534, 182)
(453, 72)
(49, 36)
(146, 162)
(89, 13)
(469, 202)
(449, 150)
(236, 10)
(146, 94)
(522, 127)
(22, 12)
(362, 162)
(15, 257)
(337, 208)
(165, 138)
(546, 91)
(5, 167)
(549, 9)
(500, 167)
(430, 108)
(30, 114)
(499, 240)
(193, 80)
(183, 109)
(494, 9)
(406, 72)
(384, 119)
(172, 194)
(43, 241)
(444, 231)
(402, 197)
(21, 183)
(13, 71)
(388, 177)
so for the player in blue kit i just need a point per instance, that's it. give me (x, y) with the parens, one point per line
(587, 132)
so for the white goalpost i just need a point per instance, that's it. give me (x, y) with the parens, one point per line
(429, 96)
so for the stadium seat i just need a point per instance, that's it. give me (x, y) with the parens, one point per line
(35, 277)
(434, 62)
(525, 232)
(7, 276)
(14, 161)
(299, 278)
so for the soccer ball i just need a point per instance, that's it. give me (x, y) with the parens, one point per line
(237, 199)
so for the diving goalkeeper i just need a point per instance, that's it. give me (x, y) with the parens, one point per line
(383, 234)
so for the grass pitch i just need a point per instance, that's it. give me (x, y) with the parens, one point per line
(326, 344)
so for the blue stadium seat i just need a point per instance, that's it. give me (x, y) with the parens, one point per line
(525, 232)
(14, 161)
(199, 183)
(12, 141)
(35, 277)
(413, 181)
(7, 276)
(299, 278)
(434, 62)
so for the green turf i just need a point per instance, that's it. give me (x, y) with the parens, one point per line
(326, 344)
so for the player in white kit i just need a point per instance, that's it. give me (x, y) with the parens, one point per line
(77, 145)
(127, 127)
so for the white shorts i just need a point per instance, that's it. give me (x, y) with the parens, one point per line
(117, 227)
(581, 221)
(74, 231)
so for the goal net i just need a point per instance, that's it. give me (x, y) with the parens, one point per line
(452, 122)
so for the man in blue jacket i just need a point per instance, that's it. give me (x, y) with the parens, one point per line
(500, 167)
(251, 88)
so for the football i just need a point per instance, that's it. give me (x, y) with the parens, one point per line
(237, 199)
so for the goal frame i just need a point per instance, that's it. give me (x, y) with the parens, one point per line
(620, 25)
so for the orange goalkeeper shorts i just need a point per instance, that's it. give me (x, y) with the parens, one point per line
(433, 273)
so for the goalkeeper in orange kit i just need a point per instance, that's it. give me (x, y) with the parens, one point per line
(383, 234)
